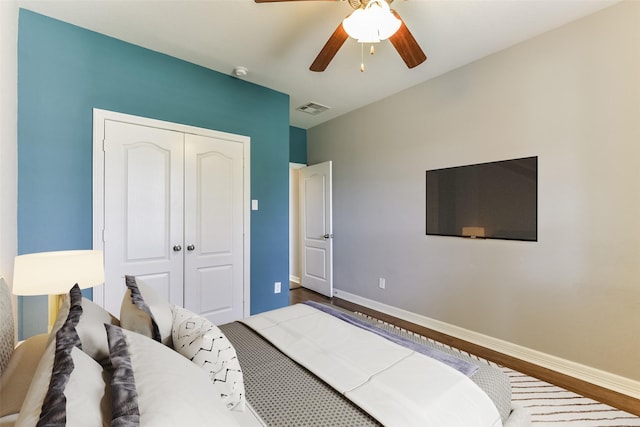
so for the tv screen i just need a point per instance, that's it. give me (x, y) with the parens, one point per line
(496, 200)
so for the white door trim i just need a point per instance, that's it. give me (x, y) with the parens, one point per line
(294, 225)
(99, 117)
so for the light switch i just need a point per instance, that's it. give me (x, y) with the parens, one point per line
(254, 205)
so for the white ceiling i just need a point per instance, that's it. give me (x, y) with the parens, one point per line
(278, 41)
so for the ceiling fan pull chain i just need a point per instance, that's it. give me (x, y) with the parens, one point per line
(362, 57)
(373, 50)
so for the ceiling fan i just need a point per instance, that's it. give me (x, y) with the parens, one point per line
(399, 35)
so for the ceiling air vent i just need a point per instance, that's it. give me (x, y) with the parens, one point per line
(312, 108)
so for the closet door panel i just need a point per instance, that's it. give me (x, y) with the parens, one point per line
(214, 228)
(147, 210)
(214, 213)
(143, 209)
(215, 296)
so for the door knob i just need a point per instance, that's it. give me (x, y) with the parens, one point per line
(328, 236)
(190, 247)
(177, 248)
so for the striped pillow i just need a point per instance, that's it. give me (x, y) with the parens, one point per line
(68, 386)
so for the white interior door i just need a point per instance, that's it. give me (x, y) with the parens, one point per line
(316, 226)
(143, 192)
(213, 228)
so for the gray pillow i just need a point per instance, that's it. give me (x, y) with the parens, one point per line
(17, 376)
(145, 312)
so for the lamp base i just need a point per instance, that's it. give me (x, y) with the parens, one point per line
(55, 302)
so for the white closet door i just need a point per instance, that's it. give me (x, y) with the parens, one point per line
(143, 234)
(213, 285)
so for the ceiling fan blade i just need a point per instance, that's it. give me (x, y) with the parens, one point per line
(330, 49)
(406, 45)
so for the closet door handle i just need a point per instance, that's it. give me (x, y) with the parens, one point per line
(177, 248)
(190, 247)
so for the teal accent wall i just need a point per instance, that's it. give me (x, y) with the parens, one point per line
(64, 72)
(297, 145)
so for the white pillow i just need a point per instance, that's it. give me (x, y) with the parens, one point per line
(206, 346)
(154, 386)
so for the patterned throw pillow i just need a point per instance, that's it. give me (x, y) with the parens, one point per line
(205, 345)
(153, 385)
(145, 312)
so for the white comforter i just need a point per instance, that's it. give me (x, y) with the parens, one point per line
(395, 385)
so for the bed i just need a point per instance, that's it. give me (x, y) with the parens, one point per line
(284, 390)
(303, 365)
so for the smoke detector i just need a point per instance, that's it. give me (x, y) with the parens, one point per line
(240, 71)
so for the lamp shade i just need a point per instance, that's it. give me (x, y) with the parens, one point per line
(55, 273)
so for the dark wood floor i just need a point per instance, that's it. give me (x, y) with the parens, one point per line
(299, 295)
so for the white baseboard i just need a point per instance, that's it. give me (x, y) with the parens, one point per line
(589, 374)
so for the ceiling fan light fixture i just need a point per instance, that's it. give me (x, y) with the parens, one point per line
(373, 23)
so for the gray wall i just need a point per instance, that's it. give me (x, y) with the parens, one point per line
(571, 97)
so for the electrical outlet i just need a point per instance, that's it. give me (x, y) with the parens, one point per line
(277, 287)
(382, 283)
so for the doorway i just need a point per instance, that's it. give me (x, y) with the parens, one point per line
(162, 187)
(294, 225)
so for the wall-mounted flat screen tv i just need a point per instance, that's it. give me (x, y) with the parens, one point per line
(495, 200)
